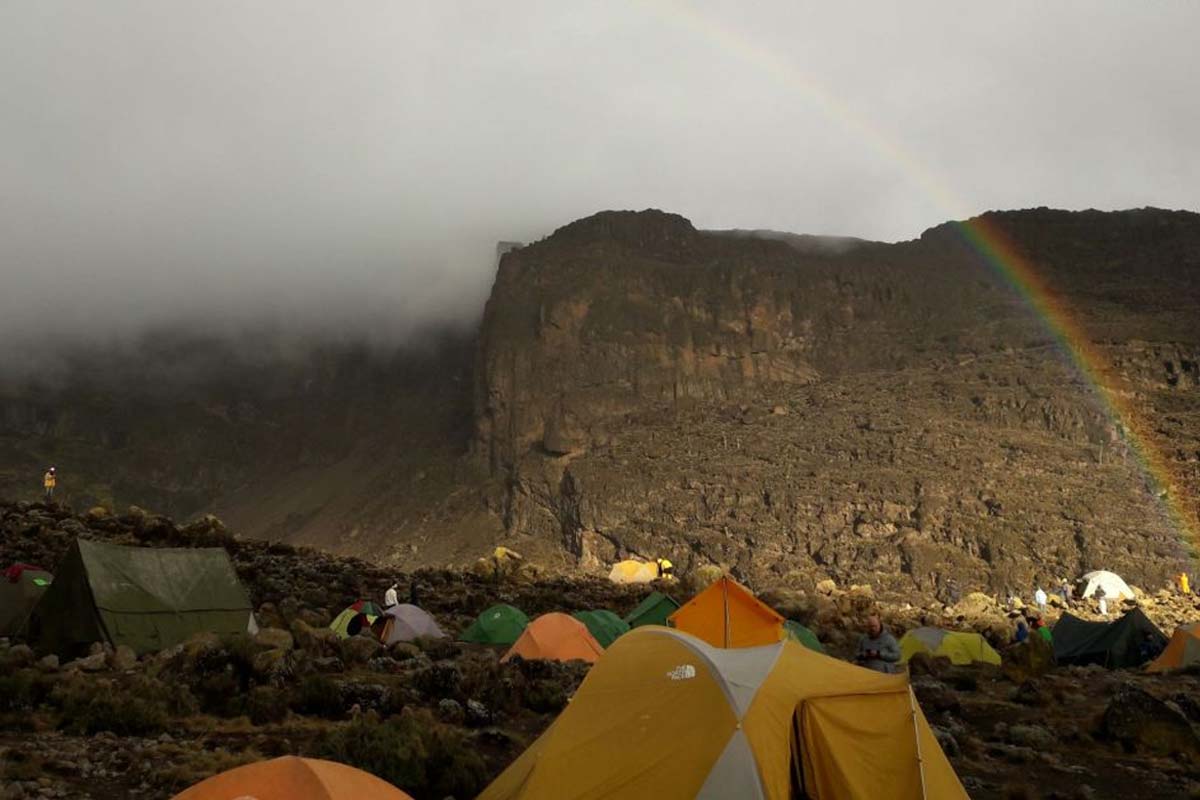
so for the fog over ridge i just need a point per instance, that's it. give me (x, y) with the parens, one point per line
(347, 171)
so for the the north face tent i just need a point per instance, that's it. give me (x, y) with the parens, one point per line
(354, 617)
(654, 610)
(292, 778)
(1182, 651)
(727, 614)
(798, 633)
(959, 646)
(666, 715)
(633, 572)
(604, 625)
(1127, 642)
(1114, 585)
(147, 598)
(405, 622)
(500, 624)
(556, 637)
(21, 586)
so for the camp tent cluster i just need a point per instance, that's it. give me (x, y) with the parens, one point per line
(731, 722)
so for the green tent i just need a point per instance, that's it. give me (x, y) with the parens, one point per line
(21, 586)
(803, 635)
(1127, 642)
(500, 624)
(605, 626)
(148, 598)
(654, 610)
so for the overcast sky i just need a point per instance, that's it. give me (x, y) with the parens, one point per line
(352, 165)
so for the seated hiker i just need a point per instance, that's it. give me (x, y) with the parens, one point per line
(665, 568)
(389, 597)
(1042, 629)
(1022, 632)
(877, 649)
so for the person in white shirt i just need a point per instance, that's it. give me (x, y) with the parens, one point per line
(1039, 597)
(389, 597)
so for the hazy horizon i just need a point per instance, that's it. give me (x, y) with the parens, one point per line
(346, 172)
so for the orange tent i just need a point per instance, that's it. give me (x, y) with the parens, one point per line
(1183, 650)
(727, 614)
(292, 778)
(556, 637)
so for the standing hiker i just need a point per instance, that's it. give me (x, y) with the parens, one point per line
(1040, 598)
(1102, 599)
(49, 481)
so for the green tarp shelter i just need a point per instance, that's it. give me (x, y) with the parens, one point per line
(1127, 642)
(654, 610)
(803, 635)
(21, 586)
(148, 598)
(500, 624)
(605, 626)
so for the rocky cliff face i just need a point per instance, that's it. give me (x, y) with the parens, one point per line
(790, 407)
(885, 412)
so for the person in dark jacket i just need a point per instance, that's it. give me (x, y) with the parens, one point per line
(877, 649)
(1022, 632)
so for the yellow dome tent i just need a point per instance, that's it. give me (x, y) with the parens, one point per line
(633, 571)
(958, 646)
(727, 614)
(666, 715)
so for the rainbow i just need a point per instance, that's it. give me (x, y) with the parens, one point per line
(996, 249)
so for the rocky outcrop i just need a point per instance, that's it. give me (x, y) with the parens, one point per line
(892, 413)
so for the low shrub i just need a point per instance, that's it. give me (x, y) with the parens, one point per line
(412, 750)
(319, 696)
(89, 707)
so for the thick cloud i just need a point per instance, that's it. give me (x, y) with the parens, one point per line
(348, 168)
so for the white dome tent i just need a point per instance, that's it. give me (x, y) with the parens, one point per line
(1115, 587)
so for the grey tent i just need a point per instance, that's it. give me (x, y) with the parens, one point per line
(1127, 642)
(405, 622)
(148, 598)
(21, 586)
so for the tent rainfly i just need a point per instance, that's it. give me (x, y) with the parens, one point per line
(798, 633)
(555, 637)
(354, 617)
(292, 778)
(148, 598)
(654, 610)
(403, 623)
(666, 715)
(1127, 642)
(959, 646)
(1182, 651)
(604, 625)
(727, 614)
(500, 624)
(633, 572)
(1115, 587)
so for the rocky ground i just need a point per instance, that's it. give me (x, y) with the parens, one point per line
(440, 718)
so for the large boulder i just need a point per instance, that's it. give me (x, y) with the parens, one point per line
(1143, 723)
(360, 649)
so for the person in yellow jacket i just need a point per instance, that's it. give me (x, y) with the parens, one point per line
(49, 481)
(666, 570)
(1184, 588)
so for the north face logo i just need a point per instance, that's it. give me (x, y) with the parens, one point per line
(683, 672)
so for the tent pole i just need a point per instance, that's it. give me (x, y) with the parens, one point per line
(725, 603)
(912, 704)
